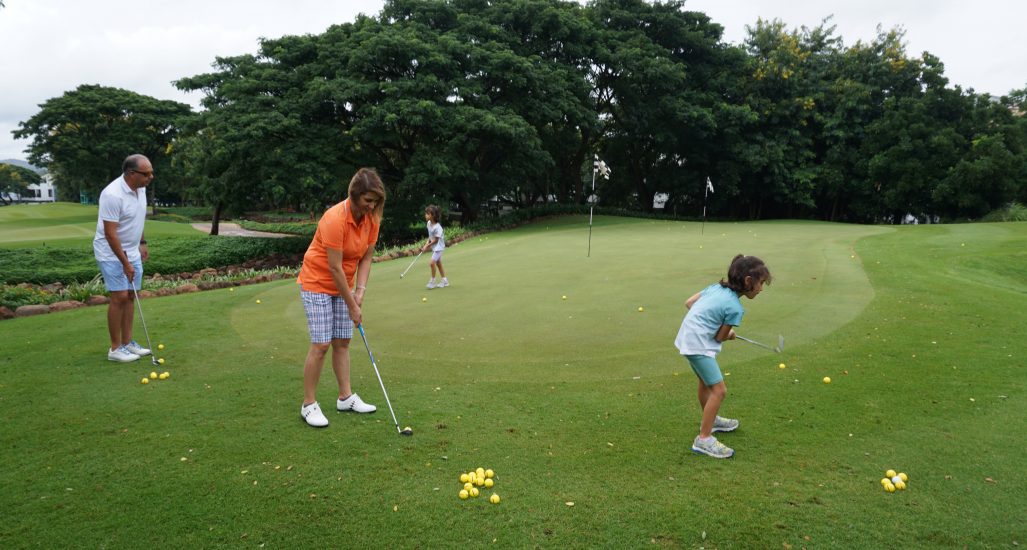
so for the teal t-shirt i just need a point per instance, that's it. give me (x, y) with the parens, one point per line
(717, 306)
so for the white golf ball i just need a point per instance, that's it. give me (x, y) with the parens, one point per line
(896, 480)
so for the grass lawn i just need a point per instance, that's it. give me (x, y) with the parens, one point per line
(65, 223)
(581, 401)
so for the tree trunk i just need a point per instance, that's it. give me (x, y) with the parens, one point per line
(216, 219)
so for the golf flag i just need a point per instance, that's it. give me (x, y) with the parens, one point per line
(709, 184)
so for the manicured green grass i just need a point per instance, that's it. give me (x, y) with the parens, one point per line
(64, 223)
(582, 400)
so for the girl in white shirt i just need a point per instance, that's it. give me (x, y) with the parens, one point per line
(437, 243)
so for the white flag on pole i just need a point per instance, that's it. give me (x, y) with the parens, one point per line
(709, 184)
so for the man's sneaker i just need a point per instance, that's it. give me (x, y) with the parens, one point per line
(431, 283)
(712, 447)
(355, 404)
(312, 415)
(443, 283)
(721, 424)
(121, 355)
(135, 348)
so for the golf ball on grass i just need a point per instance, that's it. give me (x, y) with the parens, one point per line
(144, 381)
(424, 299)
(565, 297)
(475, 492)
(489, 483)
(889, 487)
(494, 499)
(827, 379)
(896, 479)
(258, 301)
(464, 478)
(160, 346)
(640, 308)
(165, 375)
(160, 361)
(781, 366)
(890, 474)
(464, 494)
(901, 485)
(490, 474)
(153, 375)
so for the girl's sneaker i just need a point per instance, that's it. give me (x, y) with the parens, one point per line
(712, 447)
(721, 424)
(443, 283)
(431, 283)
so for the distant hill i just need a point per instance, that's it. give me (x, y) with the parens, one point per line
(23, 164)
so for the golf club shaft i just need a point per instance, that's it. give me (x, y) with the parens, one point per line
(149, 344)
(409, 266)
(755, 342)
(360, 328)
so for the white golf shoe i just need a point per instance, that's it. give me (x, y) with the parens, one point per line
(354, 403)
(135, 348)
(431, 284)
(313, 416)
(712, 447)
(121, 355)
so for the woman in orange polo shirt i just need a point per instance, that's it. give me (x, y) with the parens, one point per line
(339, 256)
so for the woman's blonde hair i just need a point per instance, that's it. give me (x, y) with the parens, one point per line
(366, 180)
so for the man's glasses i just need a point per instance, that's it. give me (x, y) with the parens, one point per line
(144, 174)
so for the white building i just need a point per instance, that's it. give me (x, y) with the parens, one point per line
(44, 191)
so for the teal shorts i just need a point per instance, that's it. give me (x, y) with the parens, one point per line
(706, 368)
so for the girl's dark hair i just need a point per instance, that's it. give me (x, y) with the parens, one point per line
(742, 267)
(433, 212)
(366, 180)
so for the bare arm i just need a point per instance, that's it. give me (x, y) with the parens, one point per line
(339, 278)
(431, 242)
(363, 274)
(726, 332)
(691, 301)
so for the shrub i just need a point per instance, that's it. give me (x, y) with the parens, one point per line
(1014, 212)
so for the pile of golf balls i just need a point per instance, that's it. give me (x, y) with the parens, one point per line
(154, 376)
(474, 479)
(894, 481)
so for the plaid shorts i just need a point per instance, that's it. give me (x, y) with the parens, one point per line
(327, 317)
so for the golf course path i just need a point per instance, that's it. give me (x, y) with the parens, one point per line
(233, 230)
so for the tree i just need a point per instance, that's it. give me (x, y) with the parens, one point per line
(83, 136)
(15, 180)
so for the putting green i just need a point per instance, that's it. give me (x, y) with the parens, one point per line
(504, 319)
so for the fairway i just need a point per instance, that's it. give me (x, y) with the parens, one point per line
(581, 405)
(31, 225)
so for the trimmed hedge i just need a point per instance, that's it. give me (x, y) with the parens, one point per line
(75, 264)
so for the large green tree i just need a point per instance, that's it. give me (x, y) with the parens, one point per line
(83, 136)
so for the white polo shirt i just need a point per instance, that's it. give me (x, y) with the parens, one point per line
(118, 203)
(435, 230)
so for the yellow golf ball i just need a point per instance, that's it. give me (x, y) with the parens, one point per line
(144, 381)
(479, 481)
(464, 494)
(464, 478)
(884, 481)
(163, 376)
(827, 379)
(468, 486)
(889, 487)
(490, 474)
(640, 308)
(489, 483)
(160, 361)
(480, 472)
(474, 491)
(903, 476)
(231, 290)
(890, 474)
(166, 374)
(494, 499)
(160, 346)
(258, 301)
(901, 485)
(565, 297)
(153, 375)
(781, 366)
(424, 299)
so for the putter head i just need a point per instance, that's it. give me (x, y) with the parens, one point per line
(780, 344)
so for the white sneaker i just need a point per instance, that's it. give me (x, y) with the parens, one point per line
(712, 447)
(134, 347)
(721, 424)
(431, 283)
(355, 404)
(313, 416)
(121, 355)
(443, 283)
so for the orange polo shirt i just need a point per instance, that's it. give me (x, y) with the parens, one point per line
(339, 231)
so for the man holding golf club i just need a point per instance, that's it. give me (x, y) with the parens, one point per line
(338, 259)
(120, 250)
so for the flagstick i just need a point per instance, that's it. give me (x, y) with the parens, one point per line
(590, 207)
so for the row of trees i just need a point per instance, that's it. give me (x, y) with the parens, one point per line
(466, 100)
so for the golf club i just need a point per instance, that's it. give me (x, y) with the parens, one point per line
(149, 344)
(411, 264)
(404, 431)
(780, 343)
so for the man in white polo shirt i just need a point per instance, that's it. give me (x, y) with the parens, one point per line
(120, 250)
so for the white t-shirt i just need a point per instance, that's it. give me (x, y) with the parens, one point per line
(436, 231)
(118, 203)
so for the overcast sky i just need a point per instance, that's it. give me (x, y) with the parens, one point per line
(48, 47)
